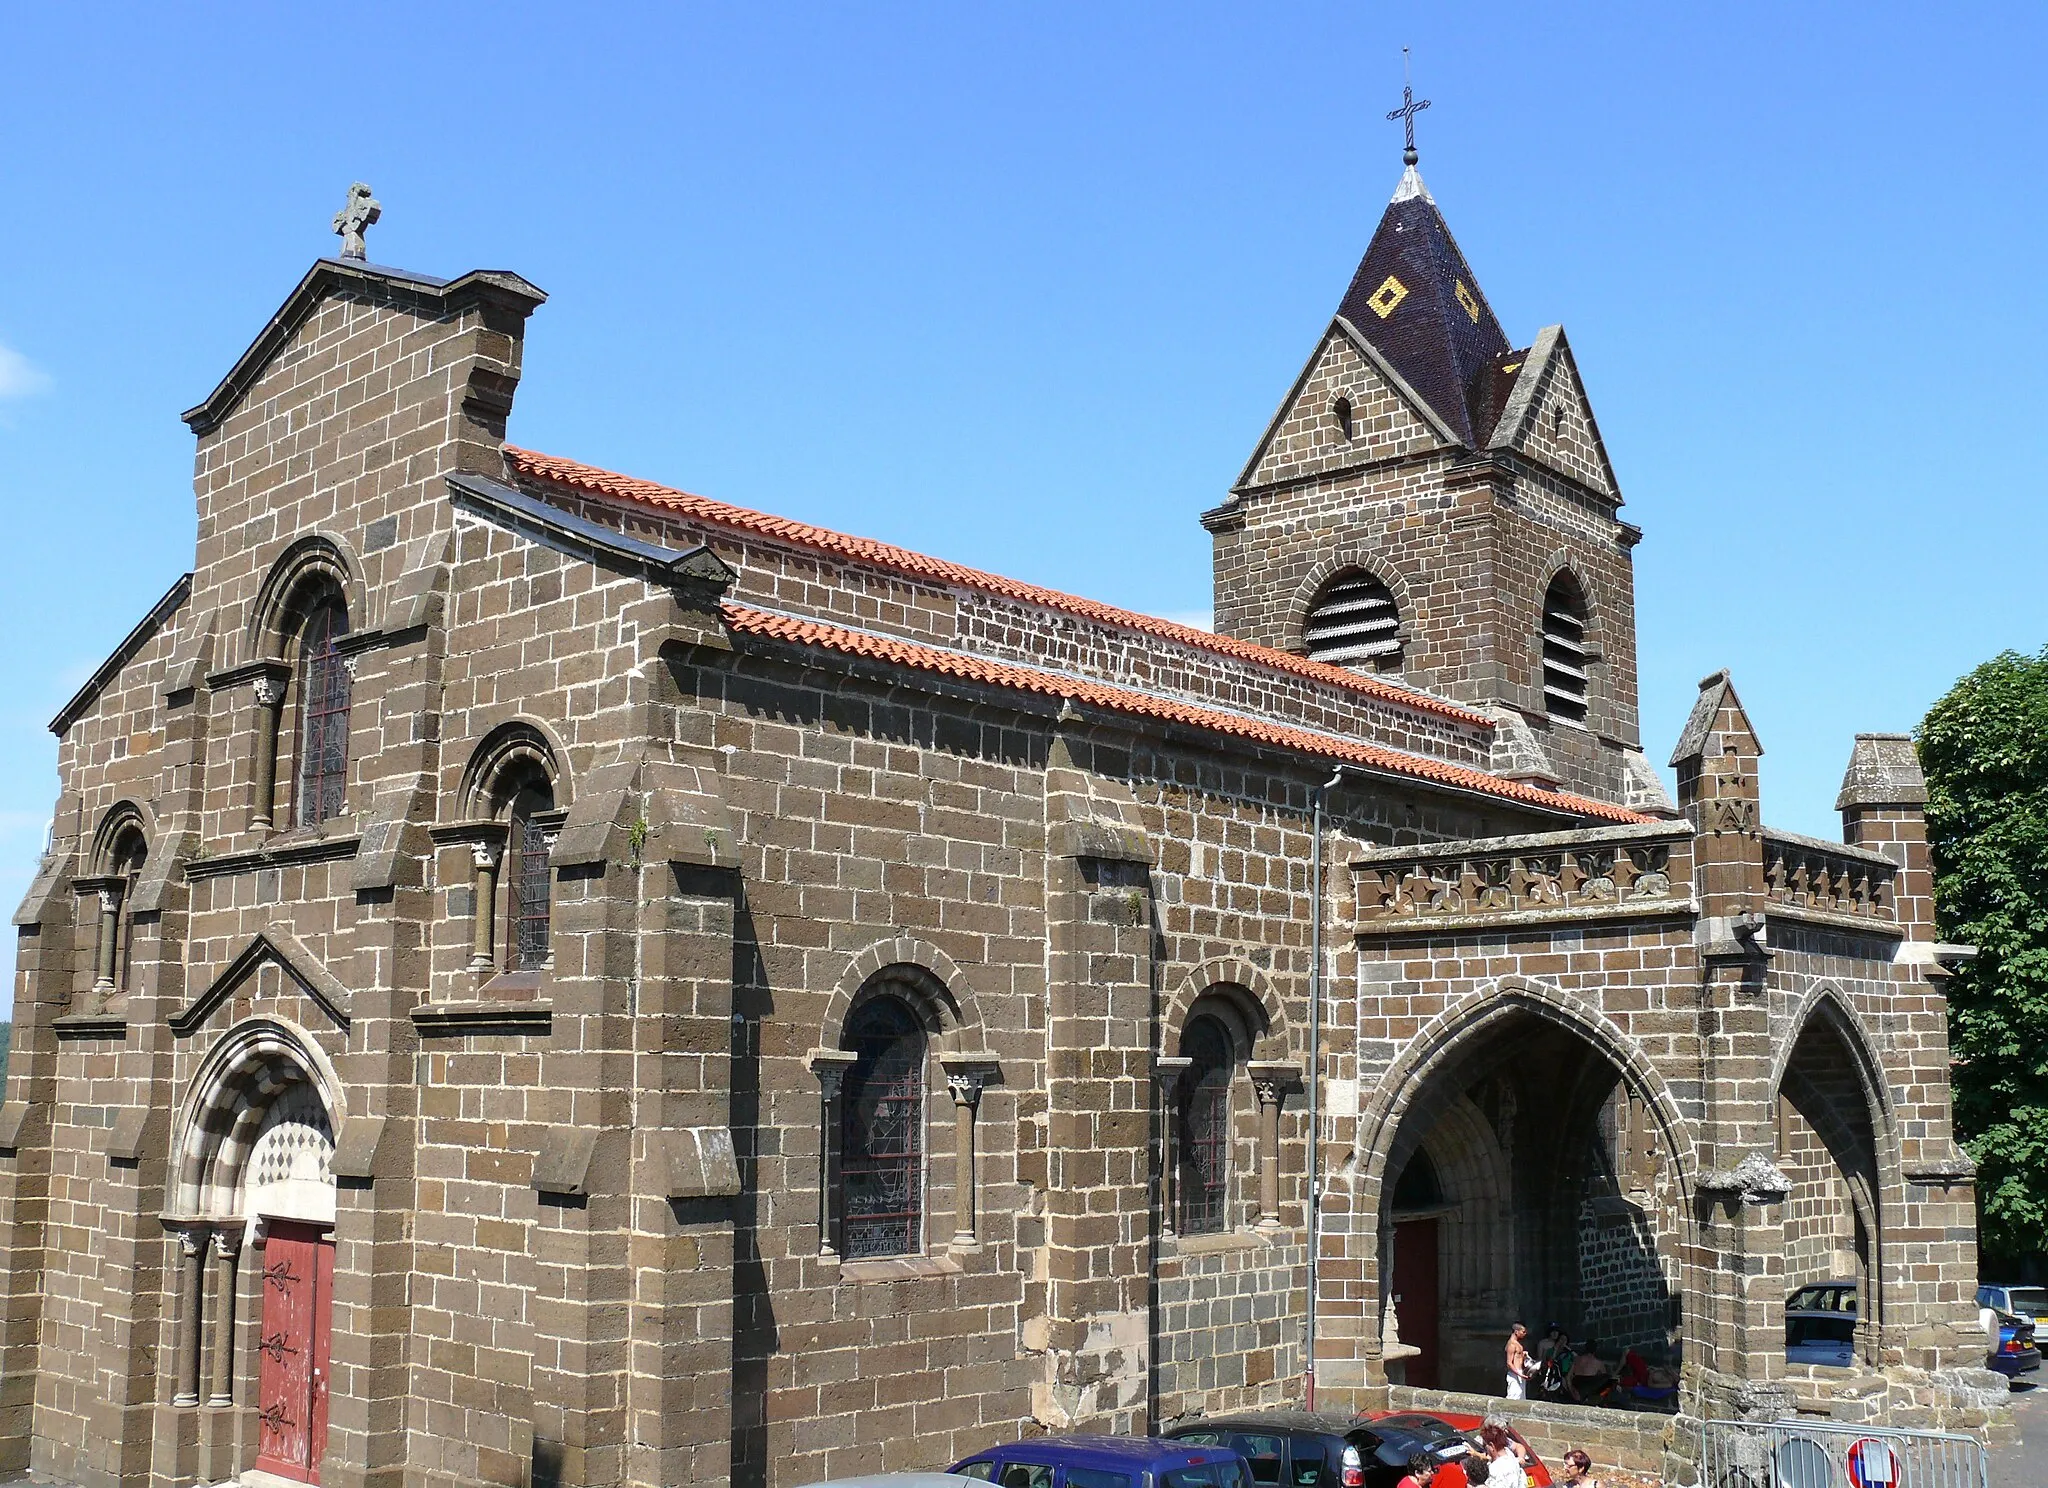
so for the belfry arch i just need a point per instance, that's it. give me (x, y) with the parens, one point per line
(1557, 1190)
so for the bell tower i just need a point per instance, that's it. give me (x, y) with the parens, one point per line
(1434, 504)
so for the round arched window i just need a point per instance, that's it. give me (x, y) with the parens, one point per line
(1564, 649)
(881, 1167)
(1205, 1127)
(1354, 623)
(323, 713)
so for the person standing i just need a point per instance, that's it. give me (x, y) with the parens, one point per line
(1421, 1468)
(1518, 1362)
(1503, 1464)
(1578, 1470)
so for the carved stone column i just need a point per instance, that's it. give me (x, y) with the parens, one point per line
(191, 1318)
(830, 1066)
(1168, 1072)
(227, 1245)
(487, 856)
(966, 1076)
(109, 945)
(269, 705)
(1271, 1081)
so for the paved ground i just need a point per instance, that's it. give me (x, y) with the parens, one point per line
(2024, 1463)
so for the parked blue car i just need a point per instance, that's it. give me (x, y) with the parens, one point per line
(1106, 1462)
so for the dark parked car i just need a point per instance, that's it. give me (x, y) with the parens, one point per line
(1298, 1449)
(1302, 1449)
(2014, 1353)
(1106, 1462)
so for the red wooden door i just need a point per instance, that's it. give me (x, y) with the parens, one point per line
(291, 1390)
(1415, 1283)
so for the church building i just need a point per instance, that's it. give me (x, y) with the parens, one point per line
(543, 978)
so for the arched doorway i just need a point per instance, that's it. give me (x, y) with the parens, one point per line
(256, 1210)
(1828, 1152)
(1528, 1175)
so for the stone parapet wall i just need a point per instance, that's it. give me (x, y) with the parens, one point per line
(1634, 1441)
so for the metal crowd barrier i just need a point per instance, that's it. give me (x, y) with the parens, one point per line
(1815, 1454)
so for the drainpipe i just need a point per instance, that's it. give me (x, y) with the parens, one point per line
(1315, 1086)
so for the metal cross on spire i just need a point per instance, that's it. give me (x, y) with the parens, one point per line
(1408, 110)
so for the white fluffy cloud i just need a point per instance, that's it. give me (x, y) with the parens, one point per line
(19, 377)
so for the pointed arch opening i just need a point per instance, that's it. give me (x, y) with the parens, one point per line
(1828, 1121)
(1524, 1173)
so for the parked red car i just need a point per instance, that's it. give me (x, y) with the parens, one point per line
(1452, 1474)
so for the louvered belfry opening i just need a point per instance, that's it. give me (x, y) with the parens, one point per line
(1354, 623)
(1564, 650)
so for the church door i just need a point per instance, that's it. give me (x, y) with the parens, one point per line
(291, 1391)
(1415, 1284)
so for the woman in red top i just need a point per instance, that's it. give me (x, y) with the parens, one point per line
(1421, 1468)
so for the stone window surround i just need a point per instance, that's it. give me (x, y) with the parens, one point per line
(967, 1075)
(487, 841)
(1271, 1081)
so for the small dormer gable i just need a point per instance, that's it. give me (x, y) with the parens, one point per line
(1347, 408)
(1549, 419)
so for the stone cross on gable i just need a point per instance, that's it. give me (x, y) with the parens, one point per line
(1408, 110)
(361, 212)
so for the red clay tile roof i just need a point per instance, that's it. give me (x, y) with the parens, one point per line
(589, 478)
(748, 621)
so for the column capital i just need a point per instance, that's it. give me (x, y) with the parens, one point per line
(1168, 1073)
(227, 1244)
(191, 1242)
(830, 1066)
(1272, 1079)
(487, 854)
(967, 1075)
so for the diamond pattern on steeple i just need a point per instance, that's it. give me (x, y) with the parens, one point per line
(1418, 302)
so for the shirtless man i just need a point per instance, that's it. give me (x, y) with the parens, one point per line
(1589, 1378)
(1518, 1362)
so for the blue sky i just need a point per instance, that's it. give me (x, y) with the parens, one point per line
(1021, 285)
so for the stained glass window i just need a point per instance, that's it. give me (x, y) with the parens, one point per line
(532, 880)
(1205, 1128)
(881, 1132)
(323, 715)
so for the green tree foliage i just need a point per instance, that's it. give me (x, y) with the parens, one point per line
(1984, 747)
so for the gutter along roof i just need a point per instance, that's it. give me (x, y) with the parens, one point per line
(795, 630)
(593, 480)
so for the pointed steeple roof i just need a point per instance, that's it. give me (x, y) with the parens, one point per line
(1416, 300)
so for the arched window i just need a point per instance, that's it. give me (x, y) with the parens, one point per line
(882, 1132)
(130, 853)
(1205, 1137)
(1564, 649)
(120, 864)
(530, 883)
(1341, 412)
(1354, 623)
(323, 712)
